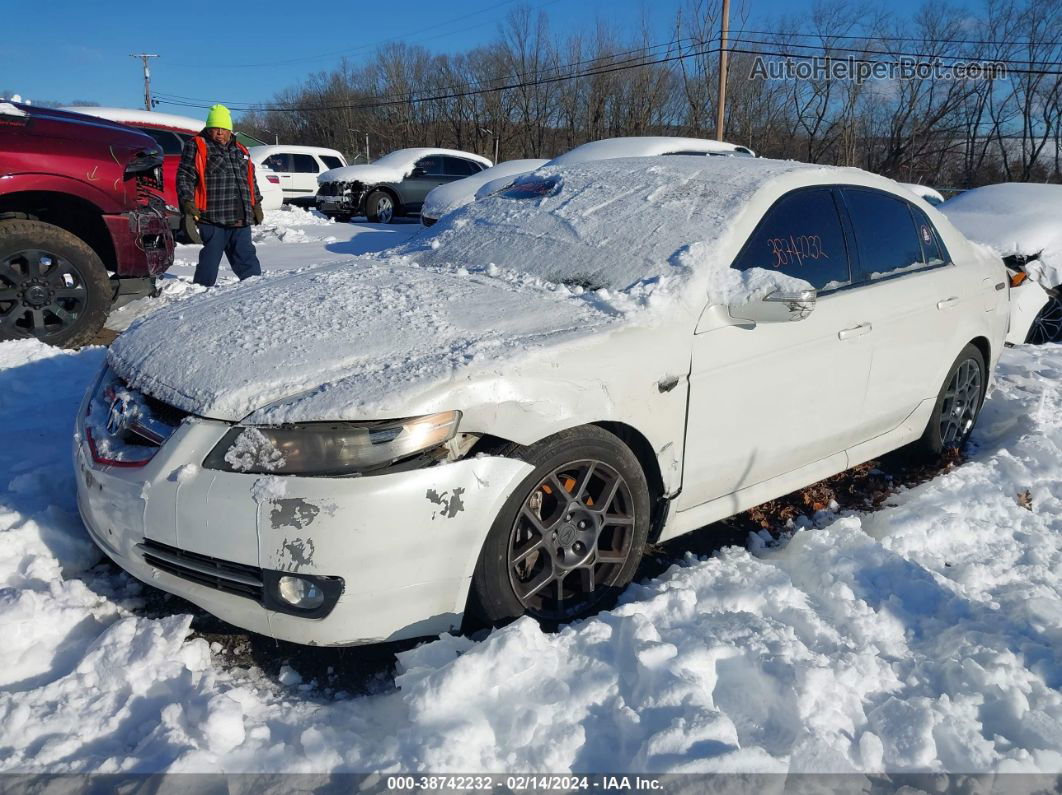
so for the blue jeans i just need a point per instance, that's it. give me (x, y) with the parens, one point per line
(232, 241)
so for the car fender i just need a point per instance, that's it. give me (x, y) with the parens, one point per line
(101, 195)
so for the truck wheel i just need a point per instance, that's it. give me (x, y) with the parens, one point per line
(380, 207)
(52, 285)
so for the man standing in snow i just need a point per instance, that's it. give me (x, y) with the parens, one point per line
(219, 199)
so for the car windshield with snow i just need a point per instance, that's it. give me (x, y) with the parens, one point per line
(498, 416)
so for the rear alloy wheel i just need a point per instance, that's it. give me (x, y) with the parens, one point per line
(1047, 326)
(570, 537)
(52, 285)
(957, 406)
(380, 207)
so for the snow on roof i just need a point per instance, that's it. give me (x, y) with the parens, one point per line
(644, 146)
(452, 195)
(262, 152)
(133, 116)
(7, 109)
(615, 224)
(1014, 218)
(393, 167)
(924, 191)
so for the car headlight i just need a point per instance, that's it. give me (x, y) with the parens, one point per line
(325, 448)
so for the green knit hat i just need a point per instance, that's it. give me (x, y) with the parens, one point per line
(220, 117)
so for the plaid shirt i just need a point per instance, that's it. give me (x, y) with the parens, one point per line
(228, 196)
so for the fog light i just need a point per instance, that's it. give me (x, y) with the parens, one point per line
(297, 592)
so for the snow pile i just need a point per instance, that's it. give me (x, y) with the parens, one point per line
(392, 167)
(924, 637)
(1014, 218)
(286, 225)
(645, 146)
(448, 197)
(135, 116)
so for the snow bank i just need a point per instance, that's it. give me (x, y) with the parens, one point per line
(285, 225)
(1014, 218)
(924, 637)
(392, 167)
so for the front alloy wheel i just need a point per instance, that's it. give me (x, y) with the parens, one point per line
(570, 540)
(570, 536)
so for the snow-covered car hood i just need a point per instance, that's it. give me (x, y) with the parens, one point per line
(392, 167)
(447, 198)
(352, 340)
(1014, 218)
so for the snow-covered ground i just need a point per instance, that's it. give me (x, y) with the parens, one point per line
(926, 636)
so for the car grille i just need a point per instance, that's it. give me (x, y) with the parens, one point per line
(223, 575)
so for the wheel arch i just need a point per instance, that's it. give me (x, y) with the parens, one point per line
(390, 191)
(75, 214)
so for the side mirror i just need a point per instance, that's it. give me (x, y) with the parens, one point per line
(776, 307)
(417, 172)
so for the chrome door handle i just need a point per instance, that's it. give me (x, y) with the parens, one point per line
(855, 331)
(947, 302)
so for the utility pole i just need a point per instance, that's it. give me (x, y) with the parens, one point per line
(724, 29)
(493, 135)
(367, 158)
(143, 56)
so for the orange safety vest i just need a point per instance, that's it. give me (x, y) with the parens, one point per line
(200, 169)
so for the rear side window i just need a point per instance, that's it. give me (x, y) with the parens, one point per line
(456, 167)
(305, 164)
(331, 161)
(170, 143)
(800, 236)
(432, 166)
(278, 162)
(933, 251)
(885, 233)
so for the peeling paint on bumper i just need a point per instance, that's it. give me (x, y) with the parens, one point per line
(405, 561)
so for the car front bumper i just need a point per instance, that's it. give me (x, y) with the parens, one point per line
(405, 544)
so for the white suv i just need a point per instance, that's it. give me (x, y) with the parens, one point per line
(298, 167)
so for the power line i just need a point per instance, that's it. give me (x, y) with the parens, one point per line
(639, 61)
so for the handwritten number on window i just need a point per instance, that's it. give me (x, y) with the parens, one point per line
(795, 250)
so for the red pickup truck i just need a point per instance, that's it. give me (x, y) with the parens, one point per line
(82, 222)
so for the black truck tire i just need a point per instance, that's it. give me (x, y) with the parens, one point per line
(53, 286)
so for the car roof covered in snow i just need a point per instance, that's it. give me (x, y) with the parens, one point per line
(394, 166)
(150, 117)
(615, 223)
(646, 146)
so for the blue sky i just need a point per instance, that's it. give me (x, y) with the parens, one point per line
(206, 47)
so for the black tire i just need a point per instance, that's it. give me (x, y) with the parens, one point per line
(947, 430)
(1047, 326)
(381, 207)
(571, 561)
(53, 286)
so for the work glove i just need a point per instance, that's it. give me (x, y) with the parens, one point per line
(189, 216)
(258, 214)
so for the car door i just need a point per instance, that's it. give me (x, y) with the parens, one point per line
(280, 163)
(305, 169)
(428, 173)
(769, 398)
(911, 297)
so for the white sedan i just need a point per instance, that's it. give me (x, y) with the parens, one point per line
(500, 416)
